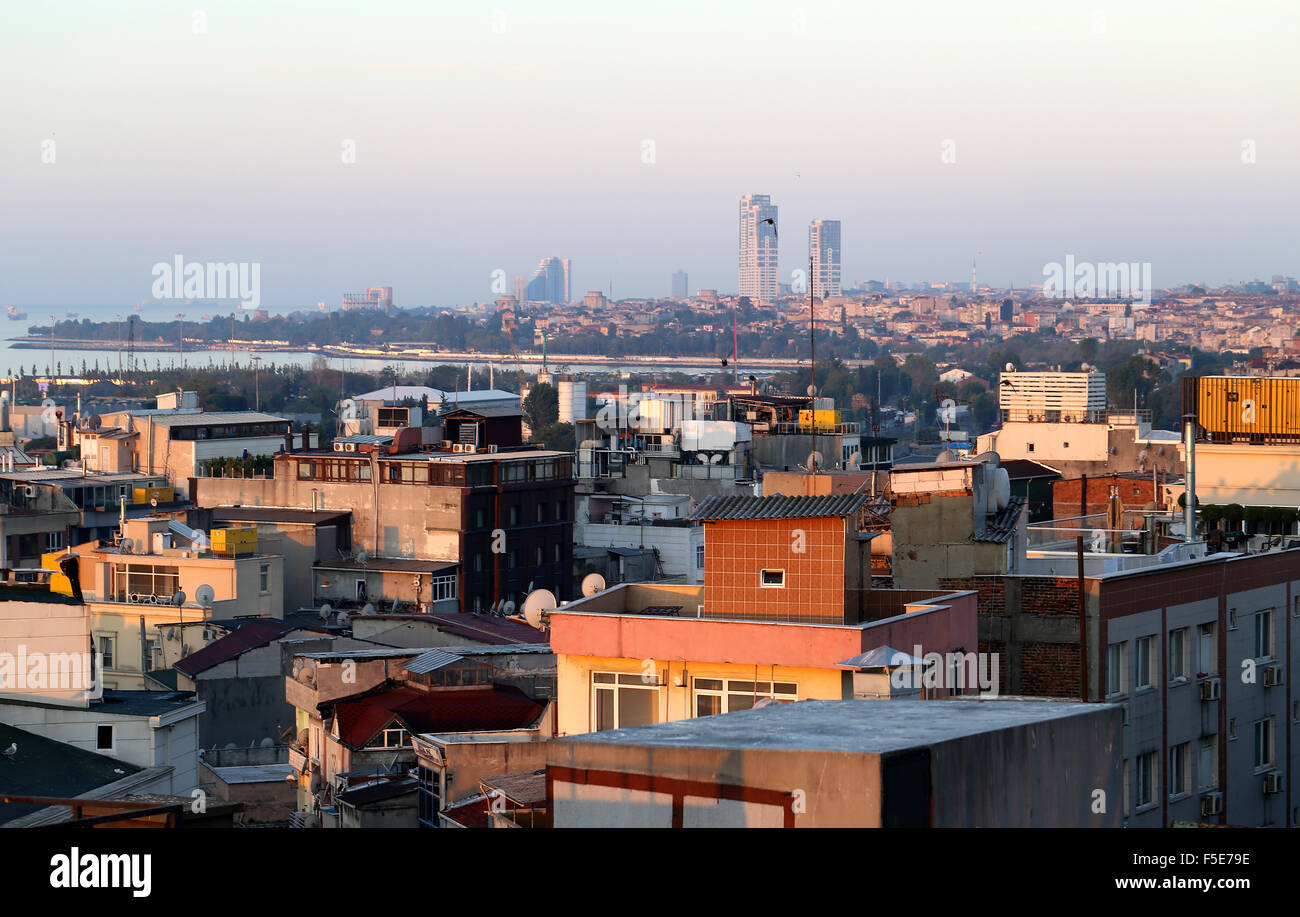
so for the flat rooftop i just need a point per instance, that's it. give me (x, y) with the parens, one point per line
(857, 726)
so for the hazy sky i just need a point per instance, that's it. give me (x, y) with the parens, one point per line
(490, 135)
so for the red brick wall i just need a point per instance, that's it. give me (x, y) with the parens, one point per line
(1134, 493)
(1049, 669)
(814, 577)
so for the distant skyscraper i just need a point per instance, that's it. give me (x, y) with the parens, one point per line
(681, 285)
(824, 250)
(568, 280)
(550, 282)
(519, 287)
(758, 243)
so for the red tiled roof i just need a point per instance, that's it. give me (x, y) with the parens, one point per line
(255, 633)
(434, 711)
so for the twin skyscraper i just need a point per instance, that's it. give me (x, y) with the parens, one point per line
(759, 235)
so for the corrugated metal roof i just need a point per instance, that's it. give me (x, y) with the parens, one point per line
(1002, 526)
(778, 507)
(251, 635)
(216, 417)
(427, 662)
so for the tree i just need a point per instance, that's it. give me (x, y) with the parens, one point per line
(542, 406)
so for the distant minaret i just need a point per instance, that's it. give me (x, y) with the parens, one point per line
(972, 275)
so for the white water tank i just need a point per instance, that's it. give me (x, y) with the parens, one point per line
(573, 400)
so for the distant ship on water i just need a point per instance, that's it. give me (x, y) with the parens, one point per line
(14, 314)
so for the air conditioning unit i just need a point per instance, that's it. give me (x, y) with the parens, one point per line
(1272, 676)
(492, 448)
(338, 447)
(1272, 783)
(1210, 689)
(1212, 804)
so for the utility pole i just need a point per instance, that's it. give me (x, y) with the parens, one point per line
(812, 335)
(181, 337)
(257, 391)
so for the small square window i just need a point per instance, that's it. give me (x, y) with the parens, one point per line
(772, 579)
(103, 738)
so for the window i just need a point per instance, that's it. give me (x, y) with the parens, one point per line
(1179, 757)
(54, 541)
(480, 518)
(1207, 771)
(478, 562)
(107, 646)
(541, 555)
(1232, 619)
(1128, 799)
(1207, 651)
(1116, 661)
(620, 701)
(717, 695)
(361, 590)
(1232, 728)
(145, 582)
(1146, 783)
(429, 797)
(103, 738)
(1264, 634)
(1264, 742)
(1145, 662)
(772, 579)
(1178, 654)
(559, 553)
(442, 587)
(1029, 447)
(264, 579)
(699, 557)
(152, 654)
(392, 737)
(559, 511)
(514, 515)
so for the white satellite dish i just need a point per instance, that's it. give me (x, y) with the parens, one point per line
(716, 459)
(854, 461)
(153, 501)
(343, 617)
(814, 461)
(1011, 367)
(495, 605)
(178, 598)
(592, 583)
(361, 557)
(204, 595)
(507, 608)
(812, 391)
(368, 609)
(127, 546)
(325, 611)
(538, 602)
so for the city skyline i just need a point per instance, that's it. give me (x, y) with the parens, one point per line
(112, 171)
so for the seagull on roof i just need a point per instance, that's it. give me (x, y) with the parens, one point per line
(11, 751)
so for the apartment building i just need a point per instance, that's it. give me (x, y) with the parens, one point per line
(785, 606)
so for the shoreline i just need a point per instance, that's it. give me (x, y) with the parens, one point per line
(413, 354)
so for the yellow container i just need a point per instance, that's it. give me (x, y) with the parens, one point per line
(140, 495)
(819, 419)
(1248, 408)
(235, 541)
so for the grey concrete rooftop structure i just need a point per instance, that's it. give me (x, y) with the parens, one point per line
(858, 726)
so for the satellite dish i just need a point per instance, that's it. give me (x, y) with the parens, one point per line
(814, 461)
(592, 583)
(361, 557)
(855, 461)
(326, 611)
(537, 602)
(127, 546)
(495, 605)
(1011, 367)
(153, 501)
(343, 617)
(716, 459)
(95, 421)
(204, 595)
(812, 391)
(368, 609)
(178, 598)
